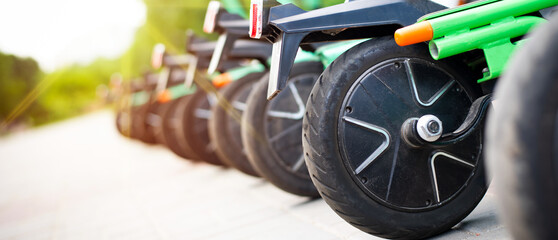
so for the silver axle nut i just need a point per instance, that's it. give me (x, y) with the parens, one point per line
(429, 128)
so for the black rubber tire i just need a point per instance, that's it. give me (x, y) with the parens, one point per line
(130, 122)
(337, 182)
(180, 132)
(160, 114)
(143, 122)
(522, 138)
(195, 128)
(123, 118)
(123, 122)
(274, 160)
(224, 125)
(171, 122)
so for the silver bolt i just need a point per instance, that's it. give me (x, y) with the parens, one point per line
(433, 127)
(429, 128)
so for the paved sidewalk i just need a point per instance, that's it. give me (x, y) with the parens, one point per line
(81, 180)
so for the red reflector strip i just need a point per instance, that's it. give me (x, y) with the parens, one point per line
(254, 26)
(256, 21)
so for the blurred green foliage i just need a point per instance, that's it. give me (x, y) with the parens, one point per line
(31, 97)
(71, 91)
(18, 76)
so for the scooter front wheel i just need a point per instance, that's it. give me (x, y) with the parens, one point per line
(171, 124)
(224, 126)
(358, 154)
(195, 128)
(271, 130)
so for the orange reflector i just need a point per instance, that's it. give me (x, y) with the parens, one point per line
(164, 97)
(222, 80)
(418, 32)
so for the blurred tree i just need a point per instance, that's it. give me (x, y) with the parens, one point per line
(70, 91)
(18, 76)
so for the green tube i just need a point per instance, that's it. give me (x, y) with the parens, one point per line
(240, 72)
(305, 56)
(486, 14)
(139, 98)
(479, 38)
(181, 90)
(330, 52)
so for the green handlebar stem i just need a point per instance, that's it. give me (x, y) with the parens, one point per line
(488, 25)
(481, 38)
(486, 14)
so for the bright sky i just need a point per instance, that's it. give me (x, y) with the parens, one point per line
(60, 32)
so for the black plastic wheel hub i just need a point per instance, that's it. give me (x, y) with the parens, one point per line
(388, 168)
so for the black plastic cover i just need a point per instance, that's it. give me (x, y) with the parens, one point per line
(350, 20)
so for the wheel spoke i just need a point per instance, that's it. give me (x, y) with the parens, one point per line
(239, 105)
(291, 115)
(210, 147)
(433, 168)
(432, 99)
(154, 120)
(376, 152)
(398, 95)
(286, 132)
(299, 163)
(394, 162)
(202, 113)
(212, 99)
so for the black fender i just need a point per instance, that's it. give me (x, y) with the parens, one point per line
(177, 76)
(244, 49)
(231, 27)
(203, 50)
(231, 47)
(235, 21)
(235, 43)
(289, 27)
(249, 49)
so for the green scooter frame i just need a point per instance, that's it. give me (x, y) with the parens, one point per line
(392, 138)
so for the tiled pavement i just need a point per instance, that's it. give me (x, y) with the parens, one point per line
(81, 180)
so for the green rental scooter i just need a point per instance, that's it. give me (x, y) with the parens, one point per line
(392, 137)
